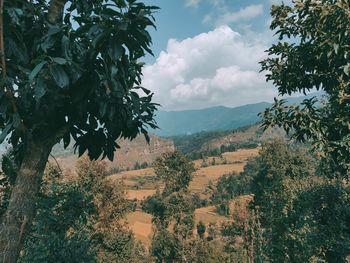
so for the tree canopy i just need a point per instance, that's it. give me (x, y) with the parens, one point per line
(69, 69)
(313, 53)
(75, 72)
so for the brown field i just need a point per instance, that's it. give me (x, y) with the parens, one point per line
(139, 194)
(208, 215)
(141, 225)
(240, 155)
(203, 176)
(133, 173)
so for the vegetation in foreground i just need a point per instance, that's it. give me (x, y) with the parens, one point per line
(298, 210)
(278, 206)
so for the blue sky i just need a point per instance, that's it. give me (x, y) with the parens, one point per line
(207, 53)
(179, 19)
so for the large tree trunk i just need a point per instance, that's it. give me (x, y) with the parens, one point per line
(21, 208)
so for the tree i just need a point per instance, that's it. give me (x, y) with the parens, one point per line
(201, 229)
(174, 205)
(313, 53)
(61, 230)
(281, 174)
(175, 170)
(298, 209)
(82, 219)
(165, 247)
(69, 69)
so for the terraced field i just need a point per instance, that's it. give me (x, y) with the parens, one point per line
(140, 185)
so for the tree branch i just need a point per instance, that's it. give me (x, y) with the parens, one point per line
(56, 8)
(9, 92)
(2, 45)
(58, 165)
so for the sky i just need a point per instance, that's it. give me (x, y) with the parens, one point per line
(207, 53)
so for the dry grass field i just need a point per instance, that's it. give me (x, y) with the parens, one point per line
(203, 176)
(240, 155)
(141, 223)
(139, 194)
(132, 173)
(208, 215)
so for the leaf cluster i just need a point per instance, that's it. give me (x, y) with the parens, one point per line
(78, 78)
(313, 53)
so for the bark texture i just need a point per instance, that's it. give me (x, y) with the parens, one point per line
(21, 208)
(56, 8)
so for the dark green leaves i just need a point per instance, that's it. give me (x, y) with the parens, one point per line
(36, 70)
(40, 88)
(59, 75)
(115, 50)
(60, 61)
(68, 71)
(313, 54)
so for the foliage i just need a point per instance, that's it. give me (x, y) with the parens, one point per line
(298, 210)
(244, 240)
(9, 169)
(172, 209)
(69, 69)
(175, 170)
(61, 230)
(81, 221)
(201, 229)
(165, 247)
(223, 208)
(206, 252)
(232, 185)
(78, 74)
(313, 53)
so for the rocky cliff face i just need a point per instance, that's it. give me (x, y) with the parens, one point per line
(139, 151)
(130, 153)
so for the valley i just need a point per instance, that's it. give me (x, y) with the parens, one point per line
(203, 178)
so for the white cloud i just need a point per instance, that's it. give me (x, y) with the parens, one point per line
(192, 3)
(244, 14)
(278, 2)
(215, 68)
(206, 19)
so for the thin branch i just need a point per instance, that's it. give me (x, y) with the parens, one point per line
(58, 165)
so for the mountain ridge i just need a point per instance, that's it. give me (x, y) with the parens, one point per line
(217, 118)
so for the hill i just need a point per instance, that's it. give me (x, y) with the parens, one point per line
(217, 142)
(131, 153)
(210, 119)
(173, 123)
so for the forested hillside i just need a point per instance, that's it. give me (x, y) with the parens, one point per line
(181, 123)
(216, 142)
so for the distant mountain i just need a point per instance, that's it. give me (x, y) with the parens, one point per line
(219, 118)
(210, 119)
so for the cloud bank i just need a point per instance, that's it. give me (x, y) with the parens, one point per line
(216, 68)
